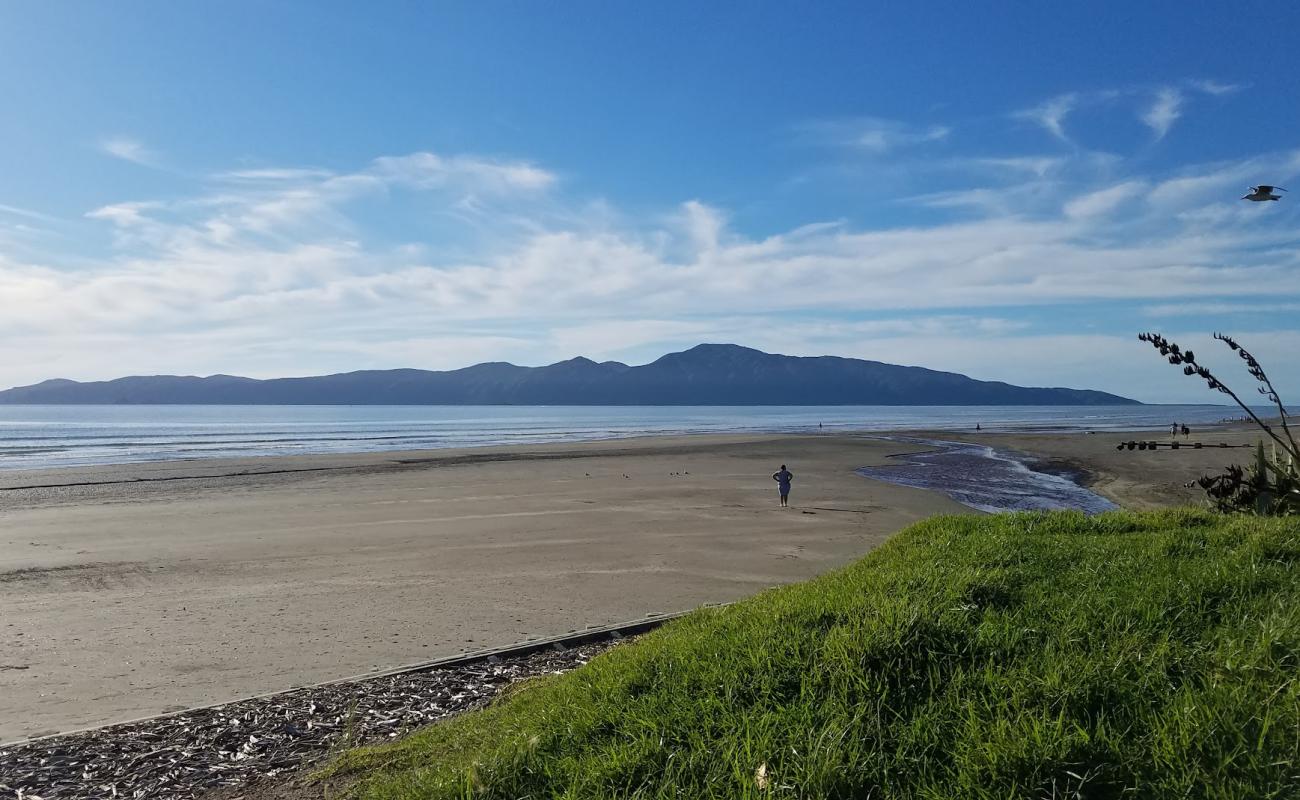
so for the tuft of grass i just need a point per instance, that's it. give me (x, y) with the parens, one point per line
(1045, 655)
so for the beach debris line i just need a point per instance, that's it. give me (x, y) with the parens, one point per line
(182, 756)
(1174, 445)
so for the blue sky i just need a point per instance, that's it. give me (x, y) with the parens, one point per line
(1009, 190)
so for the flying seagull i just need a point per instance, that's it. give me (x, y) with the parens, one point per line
(1263, 192)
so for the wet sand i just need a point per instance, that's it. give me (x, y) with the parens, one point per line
(137, 589)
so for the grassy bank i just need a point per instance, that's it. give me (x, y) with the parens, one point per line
(1036, 655)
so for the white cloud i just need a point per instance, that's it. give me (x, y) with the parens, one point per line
(704, 268)
(1218, 309)
(1224, 182)
(1218, 182)
(1164, 111)
(982, 199)
(26, 213)
(1160, 107)
(129, 149)
(1103, 201)
(124, 215)
(273, 175)
(280, 272)
(1216, 88)
(1031, 198)
(283, 205)
(872, 135)
(703, 224)
(424, 170)
(1038, 166)
(696, 263)
(1051, 114)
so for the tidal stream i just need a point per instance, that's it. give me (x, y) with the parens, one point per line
(985, 478)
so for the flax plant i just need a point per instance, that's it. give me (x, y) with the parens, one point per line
(1269, 486)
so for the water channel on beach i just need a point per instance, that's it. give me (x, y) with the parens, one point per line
(985, 478)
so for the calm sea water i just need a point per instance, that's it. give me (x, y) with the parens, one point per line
(53, 436)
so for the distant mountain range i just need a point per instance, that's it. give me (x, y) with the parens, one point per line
(708, 374)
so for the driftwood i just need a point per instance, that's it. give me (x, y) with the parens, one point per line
(184, 755)
(1175, 445)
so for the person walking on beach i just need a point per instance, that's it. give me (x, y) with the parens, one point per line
(783, 477)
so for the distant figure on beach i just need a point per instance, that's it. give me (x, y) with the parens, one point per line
(1186, 431)
(977, 426)
(1173, 430)
(783, 477)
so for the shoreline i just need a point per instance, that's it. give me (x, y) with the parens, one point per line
(47, 438)
(247, 465)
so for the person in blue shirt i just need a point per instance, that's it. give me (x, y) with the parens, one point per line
(783, 477)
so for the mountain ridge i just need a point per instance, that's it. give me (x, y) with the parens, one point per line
(707, 374)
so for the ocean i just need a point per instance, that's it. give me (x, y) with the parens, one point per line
(67, 435)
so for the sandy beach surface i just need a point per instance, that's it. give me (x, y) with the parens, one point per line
(132, 590)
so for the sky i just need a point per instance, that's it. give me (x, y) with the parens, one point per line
(1008, 190)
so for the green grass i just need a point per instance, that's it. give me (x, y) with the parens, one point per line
(1031, 655)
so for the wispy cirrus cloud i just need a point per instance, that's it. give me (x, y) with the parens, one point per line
(1158, 107)
(1216, 88)
(1038, 166)
(1103, 201)
(26, 213)
(426, 170)
(1193, 187)
(287, 202)
(871, 135)
(128, 149)
(1051, 114)
(985, 199)
(272, 175)
(1164, 111)
(125, 215)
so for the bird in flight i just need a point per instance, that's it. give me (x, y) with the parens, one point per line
(1263, 192)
